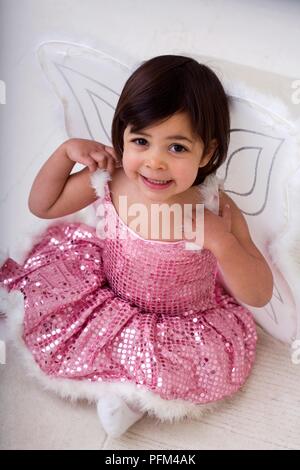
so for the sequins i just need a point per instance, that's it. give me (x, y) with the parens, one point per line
(131, 310)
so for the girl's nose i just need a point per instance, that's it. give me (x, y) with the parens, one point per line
(155, 163)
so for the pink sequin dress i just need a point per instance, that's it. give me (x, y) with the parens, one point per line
(124, 309)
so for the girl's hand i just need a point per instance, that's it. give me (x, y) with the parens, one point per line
(216, 227)
(92, 154)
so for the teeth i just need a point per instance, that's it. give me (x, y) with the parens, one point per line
(158, 181)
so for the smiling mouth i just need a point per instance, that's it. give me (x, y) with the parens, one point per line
(152, 180)
(156, 184)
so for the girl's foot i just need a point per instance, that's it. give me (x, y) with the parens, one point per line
(116, 415)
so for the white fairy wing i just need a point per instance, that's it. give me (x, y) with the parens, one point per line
(257, 175)
(262, 175)
(88, 83)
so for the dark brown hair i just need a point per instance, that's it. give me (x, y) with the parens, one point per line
(169, 84)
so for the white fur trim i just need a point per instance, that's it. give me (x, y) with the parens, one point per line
(148, 401)
(210, 192)
(98, 180)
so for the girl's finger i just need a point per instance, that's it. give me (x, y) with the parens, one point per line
(111, 151)
(99, 147)
(99, 157)
(102, 162)
(111, 165)
(91, 164)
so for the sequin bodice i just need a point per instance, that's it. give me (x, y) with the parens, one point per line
(159, 277)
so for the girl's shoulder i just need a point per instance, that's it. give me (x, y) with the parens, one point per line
(225, 199)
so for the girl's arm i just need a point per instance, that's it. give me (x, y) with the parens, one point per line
(56, 193)
(242, 266)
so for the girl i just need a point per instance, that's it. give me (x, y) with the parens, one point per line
(136, 322)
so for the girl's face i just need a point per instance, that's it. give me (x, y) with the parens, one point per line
(167, 152)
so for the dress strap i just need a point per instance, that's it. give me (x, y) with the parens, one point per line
(210, 192)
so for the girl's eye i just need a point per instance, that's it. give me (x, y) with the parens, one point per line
(178, 145)
(134, 140)
(174, 145)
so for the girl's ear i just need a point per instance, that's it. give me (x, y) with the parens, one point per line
(211, 149)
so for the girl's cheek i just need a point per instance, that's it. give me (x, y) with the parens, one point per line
(130, 165)
(131, 160)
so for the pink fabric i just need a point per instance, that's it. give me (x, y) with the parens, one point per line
(130, 309)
